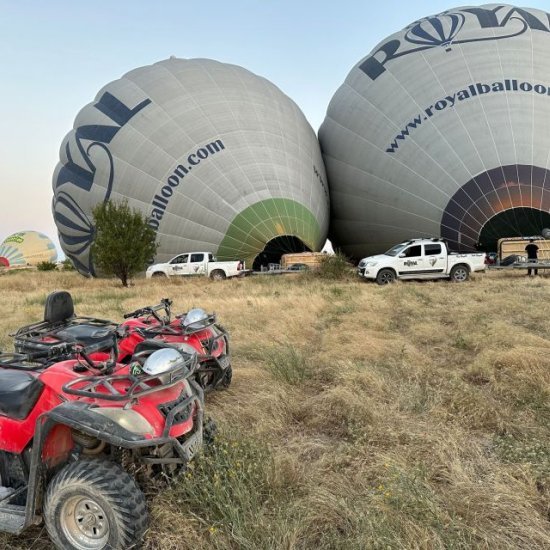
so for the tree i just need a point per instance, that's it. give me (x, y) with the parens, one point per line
(124, 242)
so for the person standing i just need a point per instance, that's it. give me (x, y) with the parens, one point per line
(532, 256)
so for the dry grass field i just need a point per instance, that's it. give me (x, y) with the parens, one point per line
(360, 417)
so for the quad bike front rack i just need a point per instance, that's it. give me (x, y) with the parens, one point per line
(130, 386)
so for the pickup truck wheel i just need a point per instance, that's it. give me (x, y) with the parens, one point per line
(459, 273)
(158, 274)
(385, 277)
(217, 275)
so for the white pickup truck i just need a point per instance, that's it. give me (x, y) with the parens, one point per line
(420, 259)
(198, 263)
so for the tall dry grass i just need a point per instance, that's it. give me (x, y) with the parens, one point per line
(415, 415)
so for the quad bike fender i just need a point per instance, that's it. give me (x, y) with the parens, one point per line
(51, 439)
(81, 417)
(57, 446)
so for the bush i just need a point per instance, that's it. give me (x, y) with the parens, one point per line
(67, 265)
(334, 266)
(46, 266)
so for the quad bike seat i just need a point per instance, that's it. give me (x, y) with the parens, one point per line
(87, 335)
(19, 392)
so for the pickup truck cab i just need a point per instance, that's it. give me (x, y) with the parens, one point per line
(197, 263)
(420, 259)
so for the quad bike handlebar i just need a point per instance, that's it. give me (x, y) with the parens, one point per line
(164, 304)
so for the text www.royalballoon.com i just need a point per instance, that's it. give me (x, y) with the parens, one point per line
(449, 101)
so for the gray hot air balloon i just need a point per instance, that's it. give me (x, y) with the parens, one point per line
(219, 159)
(442, 130)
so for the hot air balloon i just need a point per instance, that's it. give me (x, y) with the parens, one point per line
(442, 130)
(217, 158)
(26, 248)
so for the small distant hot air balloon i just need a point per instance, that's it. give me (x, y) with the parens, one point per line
(26, 248)
(217, 158)
(442, 130)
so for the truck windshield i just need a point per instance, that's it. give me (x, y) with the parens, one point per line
(394, 251)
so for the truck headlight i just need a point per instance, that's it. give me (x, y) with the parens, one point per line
(128, 419)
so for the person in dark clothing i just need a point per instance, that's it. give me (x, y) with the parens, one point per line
(532, 257)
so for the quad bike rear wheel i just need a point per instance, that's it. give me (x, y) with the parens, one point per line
(94, 504)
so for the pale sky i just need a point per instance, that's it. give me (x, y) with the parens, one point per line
(56, 55)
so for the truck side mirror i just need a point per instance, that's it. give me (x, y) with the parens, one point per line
(402, 255)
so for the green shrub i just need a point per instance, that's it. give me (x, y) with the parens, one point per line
(334, 266)
(67, 265)
(46, 266)
(288, 365)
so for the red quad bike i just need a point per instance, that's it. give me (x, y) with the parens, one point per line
(81, 439)
(60, 325)
(195, 329)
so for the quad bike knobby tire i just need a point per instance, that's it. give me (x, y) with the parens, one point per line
(209, 431)
(459, 273)
(94, 504)
(225, 382)
(385, 276)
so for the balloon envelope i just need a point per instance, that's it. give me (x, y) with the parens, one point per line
(217, 158)
(442, 130)
(26, 248)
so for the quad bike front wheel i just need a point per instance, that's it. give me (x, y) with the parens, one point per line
(225, 382)
(94, 504)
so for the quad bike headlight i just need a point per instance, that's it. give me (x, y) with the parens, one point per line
(128, 419)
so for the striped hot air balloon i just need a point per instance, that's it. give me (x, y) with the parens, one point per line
(26, 248)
